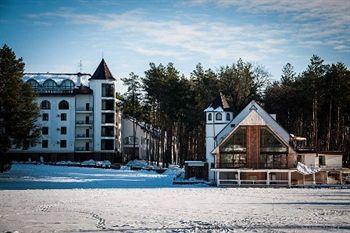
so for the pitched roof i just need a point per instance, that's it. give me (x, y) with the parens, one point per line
(220, 101)
(102, 72)
(252, 114)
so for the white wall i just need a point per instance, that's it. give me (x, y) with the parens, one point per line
(96, 86)
(212, 128)
(54, 123)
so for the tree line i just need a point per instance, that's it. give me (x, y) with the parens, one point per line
(313, 104)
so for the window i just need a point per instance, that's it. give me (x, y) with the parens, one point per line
(45, 117)
(33, 83)
(237, 143)
(63, 130)
(210, 117)
(322, 160)
(45, 131)
(50, 85)
(130, 140)
(107, 131)
(45, 104)
(107, 90)
(218, 116)
(107, 118)
(107, 144)
(67, 85)
(63, 116)
(228, 116)
(63, 105)
(44, 143)
(63, 143)
(107, 104)
(269, 142)
(87, 107)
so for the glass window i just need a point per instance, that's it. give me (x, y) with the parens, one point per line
(107, 131)
(237, 142)
(63, 143)
(107, 104)
(67, 85)
(107, 117)
(270, 143)
(218, 116)
(107, 144)
(45, 104)
(107, 90)
(63, 105)
(33, 83)
(44, 143)
(210, 117)
(45, 130)
(228, 116)
(45, 116)
(63, 130)
(49, 84)
(63, 116)
(322, 160)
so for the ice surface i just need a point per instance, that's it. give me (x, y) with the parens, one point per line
(29, 176)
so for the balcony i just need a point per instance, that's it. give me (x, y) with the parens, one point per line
(84, 110)
(83, 123)
(244, 165)
(83, 149)
(83, 136)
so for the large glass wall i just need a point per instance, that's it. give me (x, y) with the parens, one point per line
(273, 153)
(233, 152)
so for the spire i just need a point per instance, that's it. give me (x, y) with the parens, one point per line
(220, 101)
(102, 72)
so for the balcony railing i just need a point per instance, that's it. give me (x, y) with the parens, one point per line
(83, 136)
(83, 149)
(84, 122)
(89, 109)
(274, 165)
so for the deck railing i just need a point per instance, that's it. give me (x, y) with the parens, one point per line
(273, 165)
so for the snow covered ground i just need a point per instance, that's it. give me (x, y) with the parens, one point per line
(162, 208)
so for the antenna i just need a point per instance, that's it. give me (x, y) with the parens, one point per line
(80, 66)
(102, 54)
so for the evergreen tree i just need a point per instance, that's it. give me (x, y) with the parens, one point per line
(18, 111)
(132, 106)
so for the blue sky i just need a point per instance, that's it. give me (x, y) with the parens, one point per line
(53, 36)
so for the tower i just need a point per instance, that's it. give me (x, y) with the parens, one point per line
(217, 116)
(105, 124)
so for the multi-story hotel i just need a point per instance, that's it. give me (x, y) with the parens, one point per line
(79, 116)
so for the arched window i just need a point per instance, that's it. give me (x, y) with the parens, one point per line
(228, 116)
(210, 117)
(63, 105)
(45, 104)
(35, 85)
(218, 116)
(67, 84)
(50, 84)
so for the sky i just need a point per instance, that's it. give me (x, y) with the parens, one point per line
(55, 35)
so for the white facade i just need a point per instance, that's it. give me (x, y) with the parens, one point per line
(78, 112)
(216, 120)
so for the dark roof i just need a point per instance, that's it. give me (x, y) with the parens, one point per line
(220, 101)
(82, 90)
(102, 72)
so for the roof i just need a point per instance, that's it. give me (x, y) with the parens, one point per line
(58, 77)
(219, 101)
(102, 72)
(83, 90)
(252, 114)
